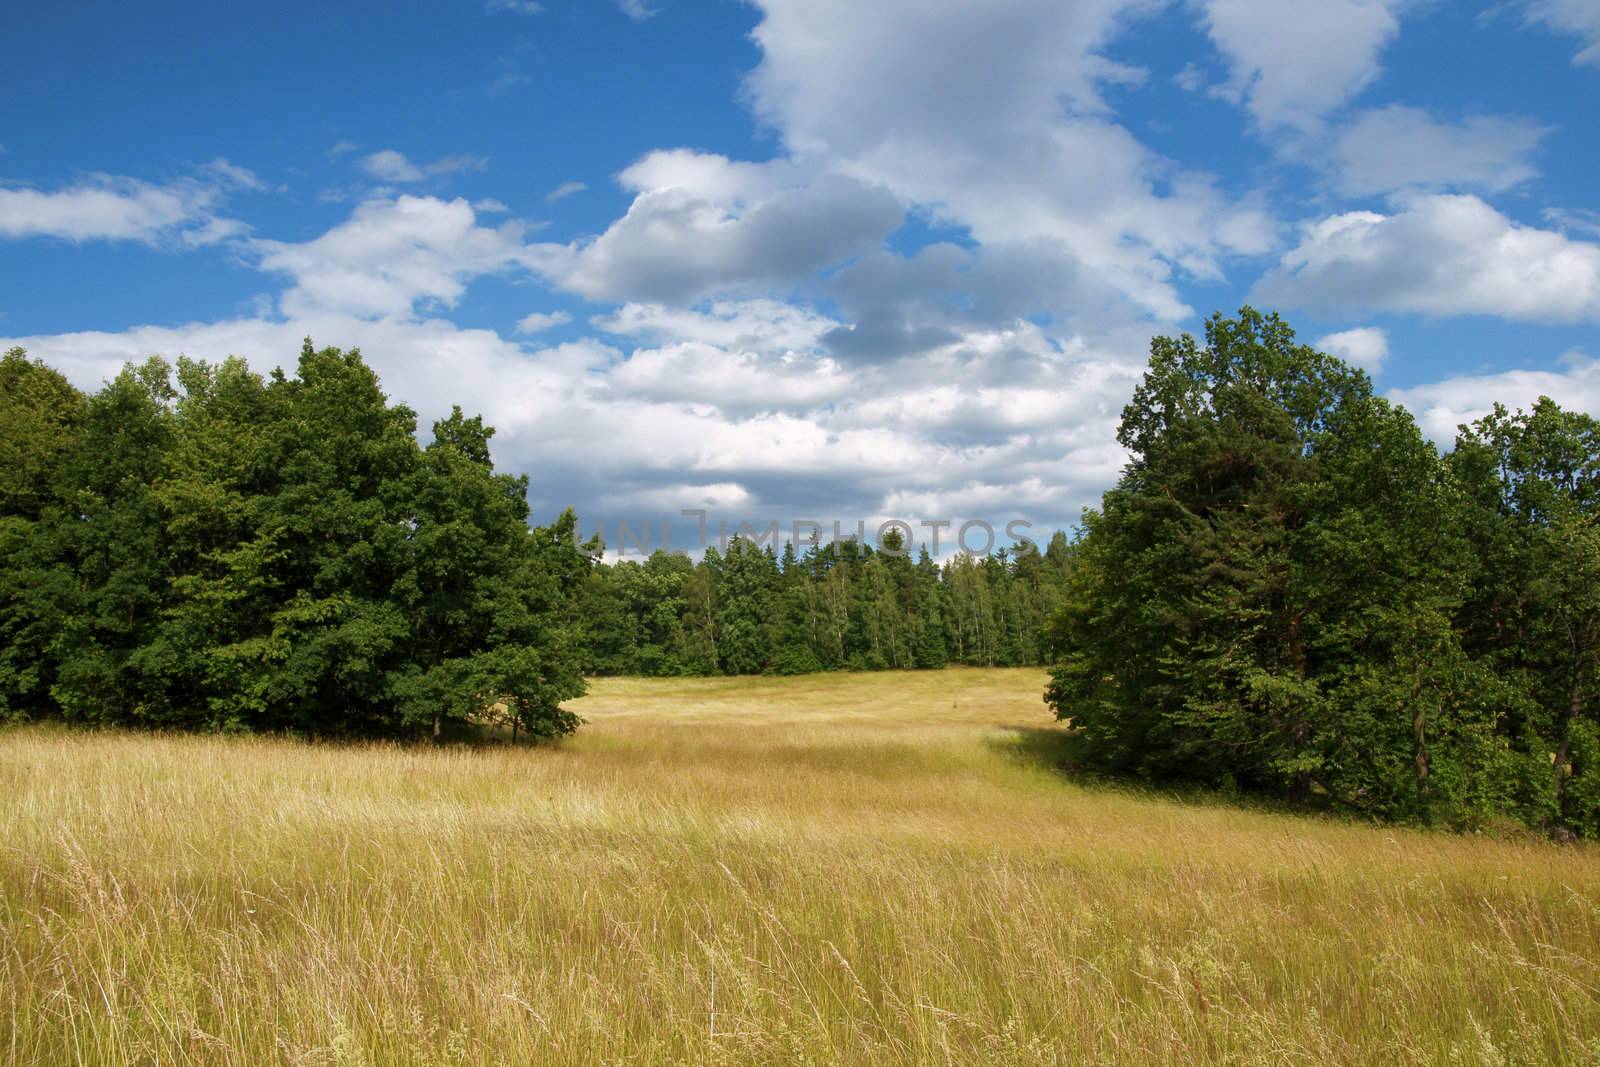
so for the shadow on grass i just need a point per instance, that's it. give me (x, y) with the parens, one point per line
(1053, 749)
(1048, 747)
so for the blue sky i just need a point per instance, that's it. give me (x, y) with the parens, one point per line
(808, 258)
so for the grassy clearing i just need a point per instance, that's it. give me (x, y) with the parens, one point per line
(834, 869)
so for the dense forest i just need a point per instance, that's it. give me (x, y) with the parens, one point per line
(840, 605)
(200, 547)
(1290, 590)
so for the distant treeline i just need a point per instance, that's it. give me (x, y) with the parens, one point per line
(201, 547)
(1290, 590)
(837, 606)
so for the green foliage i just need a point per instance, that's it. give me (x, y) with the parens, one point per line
(1291, 591)
(200, 547)
(1531, 482)
(843, 605)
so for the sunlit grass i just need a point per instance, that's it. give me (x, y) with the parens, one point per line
(883, 868)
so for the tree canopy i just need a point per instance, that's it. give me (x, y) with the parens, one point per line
(203, 547)
(1290, 590)
(842, 605)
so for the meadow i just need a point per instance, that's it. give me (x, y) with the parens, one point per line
(860, 869)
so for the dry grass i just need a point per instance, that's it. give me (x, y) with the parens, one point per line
(836, 869)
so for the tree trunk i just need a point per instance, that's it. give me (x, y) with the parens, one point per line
(1419, 729)
(1574, 708)
(1419, 732)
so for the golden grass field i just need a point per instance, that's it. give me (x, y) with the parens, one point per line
(852, 869)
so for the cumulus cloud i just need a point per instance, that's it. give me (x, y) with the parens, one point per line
(1292, 62)
(702, 224)
(771, 326)
(390, 255)
(731, 380)
(1580, 18)
(748, 355)
(764, 429)
(540, 321)
(108, 208)
(733, 400)
(1397, 147)
(1366, 347)
(645, 504)
(991, 117)
(391, 166)
(902, 305)
(1438, 255)
(1442, 406)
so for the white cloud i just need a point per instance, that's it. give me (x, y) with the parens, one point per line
(1402, 147)
(771, 326)
(1366, 347)
(213, 231)
(669, 500)
(391, 166)
(1442, 406)
(1581, 18)
(103, 207)
(982, 499)
(1191, 79)
(540, 321)
(391, 254)
(637, 10)
(564, 190)
(490, 206)
(750, 355)
(1438, 255)
(689, 423)
(516, 7)
(701, 224)
(990, 116)
(731, 380)
(1293, 62)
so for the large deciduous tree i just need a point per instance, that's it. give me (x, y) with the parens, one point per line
(208, 548)
(1266, 596)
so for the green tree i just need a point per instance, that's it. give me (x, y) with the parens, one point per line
(794, 649)
(1531, 482)
(747, 582)
(484, 595)
(41, 417)
(700, 653)
(1266, 595)
(216, 550)
(930, 651)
